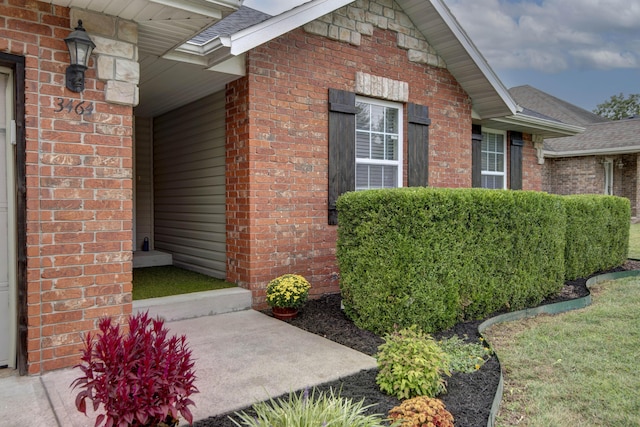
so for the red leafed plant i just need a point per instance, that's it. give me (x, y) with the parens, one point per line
(141, 378)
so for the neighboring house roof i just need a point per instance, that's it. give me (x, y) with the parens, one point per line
(611, 137)
(550, 106)
(601, 135)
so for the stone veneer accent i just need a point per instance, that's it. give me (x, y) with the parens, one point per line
(348, 24)
(116, 54)
(381, 87)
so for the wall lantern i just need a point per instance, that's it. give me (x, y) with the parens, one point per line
(80, 46)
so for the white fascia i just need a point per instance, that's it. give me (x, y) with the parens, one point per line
(593, 152)
(208, 54)
(256, 35)
(544, 125)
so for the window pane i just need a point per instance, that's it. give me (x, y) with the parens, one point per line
(377, 146)
(362, 145)
(375, 176)
(392, 148)
(377, 118)
(392, 120)
(493, 181)
(390, 176)
(362, 177)
(362, 116)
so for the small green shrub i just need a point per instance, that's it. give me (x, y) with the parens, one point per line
(304, 410)
(411, 364)
(464, 357)
(421, 411)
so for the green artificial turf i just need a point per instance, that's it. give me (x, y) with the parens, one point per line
(152, 282)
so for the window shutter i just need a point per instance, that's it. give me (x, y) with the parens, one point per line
(515, 176)
(476, 156)
(342, 147)
(418, 145)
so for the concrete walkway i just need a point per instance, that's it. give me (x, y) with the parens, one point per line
(241, 357)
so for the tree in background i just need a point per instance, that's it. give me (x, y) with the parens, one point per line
(618, 107)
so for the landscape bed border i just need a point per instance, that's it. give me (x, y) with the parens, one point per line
(553, 308)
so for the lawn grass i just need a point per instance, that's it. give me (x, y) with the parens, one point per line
(634, 241)
(574, 369)
(152, 282)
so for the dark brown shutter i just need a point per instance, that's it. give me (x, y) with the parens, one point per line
(515, 176)
(342, 147)
(476, 156)
(418, 145)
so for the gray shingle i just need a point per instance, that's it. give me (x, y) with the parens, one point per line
(618, 134)
(533, 99)
(242, 18)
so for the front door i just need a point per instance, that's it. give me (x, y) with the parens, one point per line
(7, 224)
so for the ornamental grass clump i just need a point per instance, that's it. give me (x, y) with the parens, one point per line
(310, 410)
(141, 377)
(411, 364)
(288, 291)
(421, 411)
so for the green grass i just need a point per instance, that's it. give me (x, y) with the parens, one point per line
(634, 241)
(152, 282)
(574, 369)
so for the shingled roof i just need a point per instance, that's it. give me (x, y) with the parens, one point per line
(550, 106)
(612, 137)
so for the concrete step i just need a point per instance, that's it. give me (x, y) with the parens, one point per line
(195, 304)
(151, 259)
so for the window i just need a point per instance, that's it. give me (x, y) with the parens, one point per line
(378, 144)
(608, 176)
(493, 156)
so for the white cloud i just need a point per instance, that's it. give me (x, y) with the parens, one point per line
(553, 35)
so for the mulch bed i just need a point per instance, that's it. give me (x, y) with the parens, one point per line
(469, 396)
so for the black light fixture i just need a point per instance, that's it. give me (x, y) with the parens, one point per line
(80, 47)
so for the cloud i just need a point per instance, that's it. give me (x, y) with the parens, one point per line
(553, 35)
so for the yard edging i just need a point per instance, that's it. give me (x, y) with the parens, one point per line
(554, 308)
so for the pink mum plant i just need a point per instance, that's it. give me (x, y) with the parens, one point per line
(140, 378)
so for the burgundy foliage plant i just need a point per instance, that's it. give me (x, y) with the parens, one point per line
(140, 378)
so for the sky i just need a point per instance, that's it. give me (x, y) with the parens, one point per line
(581, 51)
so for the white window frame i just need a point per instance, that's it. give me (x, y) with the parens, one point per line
(503, 173)
(399, 161)
(608, 176)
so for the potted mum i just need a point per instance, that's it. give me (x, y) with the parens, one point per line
(137, 378)
(286, 294)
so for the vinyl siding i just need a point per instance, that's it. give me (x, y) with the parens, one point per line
(143, 182)
(189, 185)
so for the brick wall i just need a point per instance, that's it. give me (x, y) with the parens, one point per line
(78, 174)
(585, 175)
(277, 145)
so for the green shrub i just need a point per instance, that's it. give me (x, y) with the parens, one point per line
(421, 411)
(433, 257)
(304, 410)
(597, 233)
(464, 357)
(410, 364)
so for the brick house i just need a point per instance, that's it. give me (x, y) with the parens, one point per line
(601, 160)
(225, 148)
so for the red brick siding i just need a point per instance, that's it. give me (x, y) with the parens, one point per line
(277, 149)
(79, 192)
(585, 175)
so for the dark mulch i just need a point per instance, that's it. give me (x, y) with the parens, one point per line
(469, 396)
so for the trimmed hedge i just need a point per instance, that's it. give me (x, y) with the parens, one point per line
(597, 233)
(433, 257)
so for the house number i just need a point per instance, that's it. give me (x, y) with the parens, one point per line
(81, 108)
